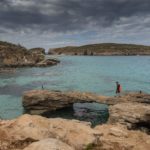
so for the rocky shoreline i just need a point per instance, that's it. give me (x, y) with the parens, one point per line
(15, 56)
(128, 127)
(131, 109)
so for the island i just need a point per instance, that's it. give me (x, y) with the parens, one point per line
(103, 49)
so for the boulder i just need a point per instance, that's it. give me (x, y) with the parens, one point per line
(30, 132)
(21, 132)
(118, 137)
(133, 115)
(48, 144)
(48, 62)
(41, 101)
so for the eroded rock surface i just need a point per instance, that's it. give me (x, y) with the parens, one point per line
(134, 115)
(27, 129)
(41, 101)
(49, 144)
(38, 133)
(131, 110)
(38, 50)
(12, 56)
(117, 137)
(48, 62)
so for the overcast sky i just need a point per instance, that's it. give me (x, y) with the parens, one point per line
(56, 23)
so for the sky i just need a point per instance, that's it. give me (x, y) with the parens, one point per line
(59, 23)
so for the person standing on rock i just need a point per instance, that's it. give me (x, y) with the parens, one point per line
(118, 88)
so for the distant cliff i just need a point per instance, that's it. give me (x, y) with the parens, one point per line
(103, 49)
(12, 55)
(38, 50)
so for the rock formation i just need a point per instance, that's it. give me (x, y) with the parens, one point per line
(48, 62)
(38, 133)
(27, 129)
(38, 50)
(12, 55)
(117, 137)
(40, 101)
(131, 110)
(31, 132)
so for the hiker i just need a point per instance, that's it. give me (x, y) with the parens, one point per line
(118, 88)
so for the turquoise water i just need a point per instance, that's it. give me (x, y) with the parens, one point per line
(91, 112)
(84, 73)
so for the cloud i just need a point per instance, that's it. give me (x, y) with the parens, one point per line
(71, 16)
(68, 15)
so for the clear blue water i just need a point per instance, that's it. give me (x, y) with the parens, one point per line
(83, 73)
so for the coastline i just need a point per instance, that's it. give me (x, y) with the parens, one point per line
(28, 132)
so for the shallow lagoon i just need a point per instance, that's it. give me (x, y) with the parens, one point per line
(84, 73)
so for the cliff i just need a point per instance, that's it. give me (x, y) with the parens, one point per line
(38, 50)
(12, 55)
(103, 49)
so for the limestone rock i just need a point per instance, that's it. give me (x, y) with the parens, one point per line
(49, 144)
(37, 50)
(13, 56)
(118, 132)
(117, 137)
(48, 62)
(34, 132)
(133, 115)
(131, 110)
(40, 101)
(27, 129)
(132, 97)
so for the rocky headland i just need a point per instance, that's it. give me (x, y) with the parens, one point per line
(38, 50)
(128, 127)
(104, 49)
(13, 56)
(131, 110)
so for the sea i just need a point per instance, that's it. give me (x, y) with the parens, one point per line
(96, 74)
